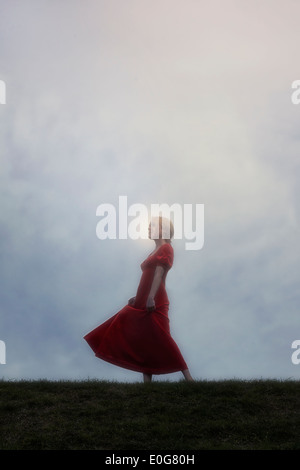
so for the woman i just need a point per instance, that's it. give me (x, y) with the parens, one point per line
(138, 336)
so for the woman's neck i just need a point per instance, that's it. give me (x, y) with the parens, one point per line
(159, 242)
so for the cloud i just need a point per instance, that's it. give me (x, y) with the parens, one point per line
(163, 103)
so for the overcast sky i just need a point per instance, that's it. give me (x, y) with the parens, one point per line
(162, 101)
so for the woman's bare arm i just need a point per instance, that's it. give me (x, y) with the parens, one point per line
(158, 274)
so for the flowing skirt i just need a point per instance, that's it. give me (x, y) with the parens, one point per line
(138, 340)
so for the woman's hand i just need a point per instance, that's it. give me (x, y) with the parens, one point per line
(150, 304)
(131, 301)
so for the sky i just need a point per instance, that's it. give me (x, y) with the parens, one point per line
(168, 101)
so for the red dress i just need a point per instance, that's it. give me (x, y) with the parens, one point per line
(137, 339)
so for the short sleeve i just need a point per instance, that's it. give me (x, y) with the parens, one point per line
(165, 256)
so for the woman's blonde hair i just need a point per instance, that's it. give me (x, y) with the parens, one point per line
(167, 228)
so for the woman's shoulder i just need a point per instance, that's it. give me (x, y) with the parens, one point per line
(165, 255)
(167, 248)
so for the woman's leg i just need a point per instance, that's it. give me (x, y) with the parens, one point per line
(187, 375)
(147, 377)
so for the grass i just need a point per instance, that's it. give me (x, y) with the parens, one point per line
(99, 415)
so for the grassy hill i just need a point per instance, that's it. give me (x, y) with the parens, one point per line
(95, 415)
